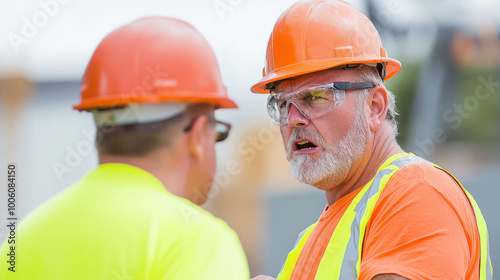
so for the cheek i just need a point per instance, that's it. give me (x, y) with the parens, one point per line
(212, 158)
(286, 131)
(335, 125)
(209, 161)
(211, 151)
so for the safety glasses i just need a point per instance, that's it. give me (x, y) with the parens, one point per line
(221, 128)
(312, 101)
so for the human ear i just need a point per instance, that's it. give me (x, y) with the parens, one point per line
(378, 104)
(196, 137)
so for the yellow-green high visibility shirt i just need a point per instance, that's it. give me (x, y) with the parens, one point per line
(120, 222)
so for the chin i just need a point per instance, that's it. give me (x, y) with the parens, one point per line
(199, 192)
(324, 174)
(199, 199)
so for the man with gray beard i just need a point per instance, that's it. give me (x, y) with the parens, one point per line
(335, 161)
(390, 214)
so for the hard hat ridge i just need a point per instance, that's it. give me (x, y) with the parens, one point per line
(153, 60)
(316, 35)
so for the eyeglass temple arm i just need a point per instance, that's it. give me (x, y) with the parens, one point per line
(348, 85)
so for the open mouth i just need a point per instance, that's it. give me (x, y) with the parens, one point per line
(304, 145)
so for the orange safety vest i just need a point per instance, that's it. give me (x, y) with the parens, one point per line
(342, 257)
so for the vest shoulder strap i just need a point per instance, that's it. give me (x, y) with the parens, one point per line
(293, 256)
(342, 257)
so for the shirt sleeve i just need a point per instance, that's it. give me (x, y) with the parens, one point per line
(422, 227)
(207, 249)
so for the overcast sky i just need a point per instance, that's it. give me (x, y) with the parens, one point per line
(54, 39)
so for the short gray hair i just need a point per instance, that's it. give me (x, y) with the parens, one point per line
(368, 74)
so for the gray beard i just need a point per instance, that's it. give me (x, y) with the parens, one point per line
(335, 163)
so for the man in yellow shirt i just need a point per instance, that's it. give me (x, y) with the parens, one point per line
(152, 86)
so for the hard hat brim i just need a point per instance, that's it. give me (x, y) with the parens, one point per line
(112, 101)
(392, 68)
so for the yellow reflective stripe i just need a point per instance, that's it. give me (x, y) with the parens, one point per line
(485, 268)
(343, 253)
(486, 271)
(391, 160)
(329, 267)
(293, 256)
(342, 257)
(369, 211)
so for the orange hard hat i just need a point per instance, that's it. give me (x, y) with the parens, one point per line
(153, 60)
(317, 35)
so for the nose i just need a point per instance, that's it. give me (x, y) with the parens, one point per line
(296, 118)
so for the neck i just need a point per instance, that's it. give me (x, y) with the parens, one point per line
(365, 168)
(160, 164)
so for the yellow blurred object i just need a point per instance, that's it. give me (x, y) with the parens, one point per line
(119, 222)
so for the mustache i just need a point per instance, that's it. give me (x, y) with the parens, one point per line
(299, 133)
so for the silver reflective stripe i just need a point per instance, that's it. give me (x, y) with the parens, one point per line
(414, 159)
(297, 244)
(400, 162)
(302, 235)
(352, 253)
(348, 269)
(489, 273)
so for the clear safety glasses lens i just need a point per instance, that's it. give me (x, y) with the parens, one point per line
(312, 101)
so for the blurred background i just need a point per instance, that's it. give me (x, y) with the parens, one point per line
(448, 96)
